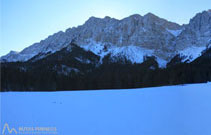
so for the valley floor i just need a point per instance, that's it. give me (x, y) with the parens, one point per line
(169, 110)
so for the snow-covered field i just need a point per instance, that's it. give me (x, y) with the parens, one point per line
(170, 110)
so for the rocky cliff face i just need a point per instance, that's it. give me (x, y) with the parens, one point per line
(196, 33)
(132, 37)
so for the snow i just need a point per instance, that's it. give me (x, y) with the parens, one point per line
(192, 53)
(132, 31)
(161, 62)
(13, 57)
(169, 110)
(51, 44)
(175, 32)
(96, 48)
(132, 53)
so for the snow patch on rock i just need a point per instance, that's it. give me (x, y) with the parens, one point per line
(175, 32)
(133, 53)
(191, 53)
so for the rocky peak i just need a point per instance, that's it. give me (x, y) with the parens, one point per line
(202, 21)
(151, 16)
(135, 16)
(197, 33)
(13, 52)
(150, 32)
(209, 11)
(107, 18)
(97, 21)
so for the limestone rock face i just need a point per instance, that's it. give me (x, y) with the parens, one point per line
(163, 39)
(147, 31)
(196, 33)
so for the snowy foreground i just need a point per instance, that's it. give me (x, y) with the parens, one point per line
(171, 110)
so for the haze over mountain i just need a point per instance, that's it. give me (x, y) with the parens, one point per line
(133, 37)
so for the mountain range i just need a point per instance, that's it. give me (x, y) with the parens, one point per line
(111, 53)
(132, 37)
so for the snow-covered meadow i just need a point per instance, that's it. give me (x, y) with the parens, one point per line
(170, 110)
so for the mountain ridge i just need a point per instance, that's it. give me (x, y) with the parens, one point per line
(162, 38)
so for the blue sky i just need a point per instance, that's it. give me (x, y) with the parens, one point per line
(24, 22)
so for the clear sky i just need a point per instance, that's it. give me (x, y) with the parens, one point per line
(24, 22)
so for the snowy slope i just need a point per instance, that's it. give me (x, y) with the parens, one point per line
(170, 110)
(154, 35)
(191, 53)
(132, 53)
